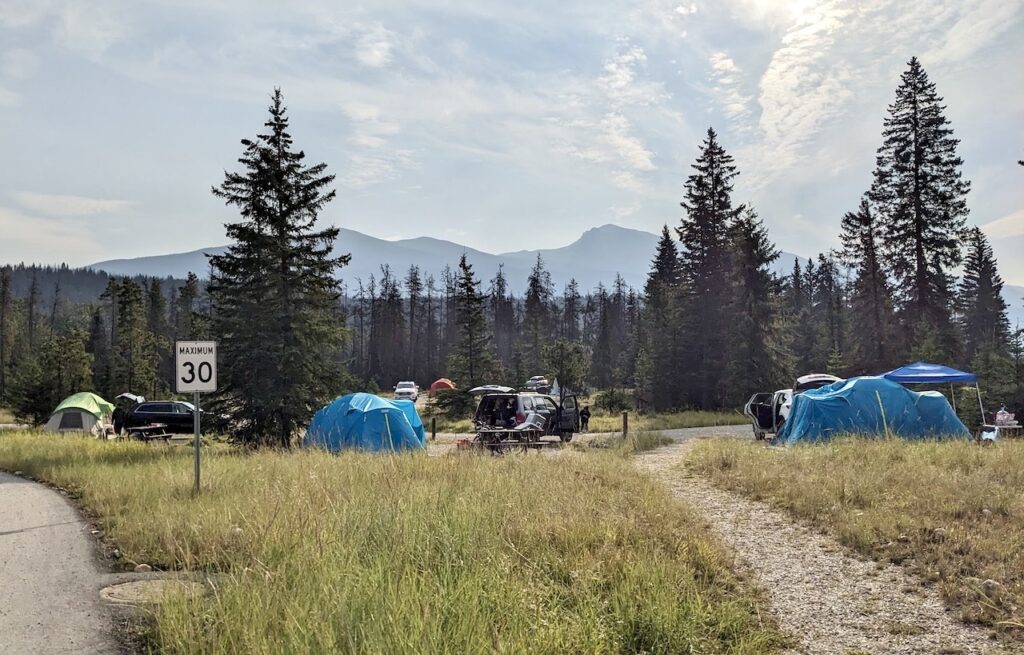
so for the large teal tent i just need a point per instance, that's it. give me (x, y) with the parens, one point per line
(870, 406)
(367, 422)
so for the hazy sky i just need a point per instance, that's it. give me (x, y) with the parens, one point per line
(500, 125)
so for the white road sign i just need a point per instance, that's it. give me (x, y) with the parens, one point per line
(195, 366)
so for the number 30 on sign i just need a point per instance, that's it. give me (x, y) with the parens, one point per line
(195, 366)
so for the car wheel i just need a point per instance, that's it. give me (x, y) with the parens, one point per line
(566, 437)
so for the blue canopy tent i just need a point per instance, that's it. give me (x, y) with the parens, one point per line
(367, 422)
(870, 406)
(925, 373)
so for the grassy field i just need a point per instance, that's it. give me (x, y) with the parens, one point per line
(953, 512)
(6, 416)
(635, 442)
(604, 422)
(316, 553)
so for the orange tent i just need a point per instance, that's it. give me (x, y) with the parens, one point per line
(443, 383)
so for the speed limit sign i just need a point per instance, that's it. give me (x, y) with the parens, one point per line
(195, 365)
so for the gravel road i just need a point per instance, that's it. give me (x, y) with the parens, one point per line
(834, 604)
(49, 575)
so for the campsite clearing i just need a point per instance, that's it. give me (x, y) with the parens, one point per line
(952, 512)
(312, 552)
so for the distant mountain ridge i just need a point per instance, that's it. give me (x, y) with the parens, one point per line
(595, 258)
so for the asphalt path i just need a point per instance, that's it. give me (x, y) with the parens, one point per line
(50, 576)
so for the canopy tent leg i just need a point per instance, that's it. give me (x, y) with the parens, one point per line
(980, 406)
(952, 395)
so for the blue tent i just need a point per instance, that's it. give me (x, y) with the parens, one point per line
(368, 422)
(925, 373)
(870, 406)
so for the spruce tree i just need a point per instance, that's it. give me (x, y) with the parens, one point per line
(920, 197)
(503, 318)
(414, 357)
(274, 291)
(537, 314)
(704, 266)
(5, 319)
(755, 359)
(660, 375)
(984, 324)
(571, 311)
(871, 343)
(470, 361)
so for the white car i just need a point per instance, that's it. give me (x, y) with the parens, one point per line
(407, 391)
(767, 411)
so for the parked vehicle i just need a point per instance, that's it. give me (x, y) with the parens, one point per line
(538, 383)
(175, 414)
(768, 410)
(502, 407)
(407, 391)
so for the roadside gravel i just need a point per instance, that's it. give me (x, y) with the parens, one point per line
(833, 603)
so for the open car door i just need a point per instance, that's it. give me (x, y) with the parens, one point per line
(568, 418)
(761, 410)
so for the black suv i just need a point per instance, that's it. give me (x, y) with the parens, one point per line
(175, 414)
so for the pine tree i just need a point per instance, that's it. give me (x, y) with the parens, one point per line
(984, 324)
(920, 197)
(571, 311)
(186, 320)
(5, 318)
(414, 289)
(661, 378)
(134, 357)
(755, 357)
(704, 266)
(665, 267)
(274, 292)
(871, 347)
(503, 318)
(470, 361)
(537, 314)
(828, 318)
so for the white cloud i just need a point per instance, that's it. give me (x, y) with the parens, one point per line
(978, 24)
(1011, 225)
(57, 205)
(684, 11)
(90, 27)
(373, 48)
(29, 238)
(728, 89)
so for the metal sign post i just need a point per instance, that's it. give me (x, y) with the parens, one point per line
(195, 370)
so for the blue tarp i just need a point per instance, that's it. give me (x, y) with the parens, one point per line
(368, 422)
(870, 406)
(925, 373)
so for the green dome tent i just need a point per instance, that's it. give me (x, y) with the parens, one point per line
(81, 412)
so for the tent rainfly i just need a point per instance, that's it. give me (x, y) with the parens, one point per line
(925, 373)
(81, 412)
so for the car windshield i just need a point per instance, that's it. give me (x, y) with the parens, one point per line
(406, 385)
(190, 406)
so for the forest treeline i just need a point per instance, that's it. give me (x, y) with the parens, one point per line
(711, 326)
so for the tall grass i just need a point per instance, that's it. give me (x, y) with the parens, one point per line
(635, 442)
(953, 511)
(358, 553)
(605, 422)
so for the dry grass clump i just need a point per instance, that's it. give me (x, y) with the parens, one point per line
(952, 511)
(635, 442)
(359, 553)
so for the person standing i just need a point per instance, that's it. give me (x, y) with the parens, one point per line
(585, 418)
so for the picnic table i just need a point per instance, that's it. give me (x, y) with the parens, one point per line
(995, 431)
(149, 432)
